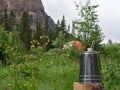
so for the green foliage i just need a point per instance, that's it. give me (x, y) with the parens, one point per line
(5, 23)
(3, 45)
(38, 31)
(40, 70)
(112, 50)
(25, 31)
(111, 74)
(62, 34)
(43, 32)
(72, 53)
(46, 26)
(11, 21)
(10, 46)
(63, 25)
(42, 41)
(1, 19)
(7, 20)
(58, 43)
(111, 66)
(51, 70)
(57, 28)
(87, 27)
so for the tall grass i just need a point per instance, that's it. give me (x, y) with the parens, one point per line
(51, 71)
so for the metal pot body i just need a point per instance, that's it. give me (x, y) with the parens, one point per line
(90, 67)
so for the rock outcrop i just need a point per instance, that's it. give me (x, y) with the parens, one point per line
(34, 7)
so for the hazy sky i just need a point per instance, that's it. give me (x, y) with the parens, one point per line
(108, 11)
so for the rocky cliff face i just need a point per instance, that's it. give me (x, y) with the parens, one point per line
(34, 7)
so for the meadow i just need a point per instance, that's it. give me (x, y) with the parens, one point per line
(51, 71)
(38, 69)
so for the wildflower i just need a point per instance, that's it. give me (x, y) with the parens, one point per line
(6, 51)
(34, 41)
(38, 43)
(10, 66)
(46, 43)
(8, 85)
(40, 59)
(32, 46)
(31, 42)
(51, 62)
(25, 85)
(40, 37)
(48, 40)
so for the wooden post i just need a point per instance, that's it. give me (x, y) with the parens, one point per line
(87, 86)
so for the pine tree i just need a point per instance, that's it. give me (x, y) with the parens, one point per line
(25, 31)
(57, 28)
(65, 31)
(46, 26)
(11, 21)
(58, 43)
(63, 24)
(38, 31)
(73, 29)
(68, 29)
(88, 30)
(5, 22)
(1, 19)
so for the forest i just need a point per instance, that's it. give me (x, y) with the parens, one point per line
(33, 59)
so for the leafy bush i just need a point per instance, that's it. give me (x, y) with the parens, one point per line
(111, 66)
(51, 70)
(112, 50)
(11, 48)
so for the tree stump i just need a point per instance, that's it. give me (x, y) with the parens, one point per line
(88, 86)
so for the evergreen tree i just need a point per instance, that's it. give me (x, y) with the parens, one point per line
(57, 28)
(58, 43)
(5, 22)
(11, 21)
(51, 38)
(88, 30)
(1, 19)
(38, 31)
(68, 29)
(73, 30)
(62, 31)
(25, 31)
(46, 26)
(65, 31)
(63, 24)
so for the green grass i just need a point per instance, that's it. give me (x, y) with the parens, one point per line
(52, 71)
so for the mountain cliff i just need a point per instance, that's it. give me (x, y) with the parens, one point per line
(34, 7)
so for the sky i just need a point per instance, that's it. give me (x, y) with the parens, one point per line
(108, 11)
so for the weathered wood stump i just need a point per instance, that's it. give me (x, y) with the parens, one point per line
(87, 86)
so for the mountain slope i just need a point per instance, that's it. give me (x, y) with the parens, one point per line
(34, 7)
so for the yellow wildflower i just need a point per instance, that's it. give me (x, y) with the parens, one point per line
(40, 37)
(32, 46)
(40, 59)
(8, 85)
(46, 43)
(51, 62)
(25, 85)
(38, 43)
